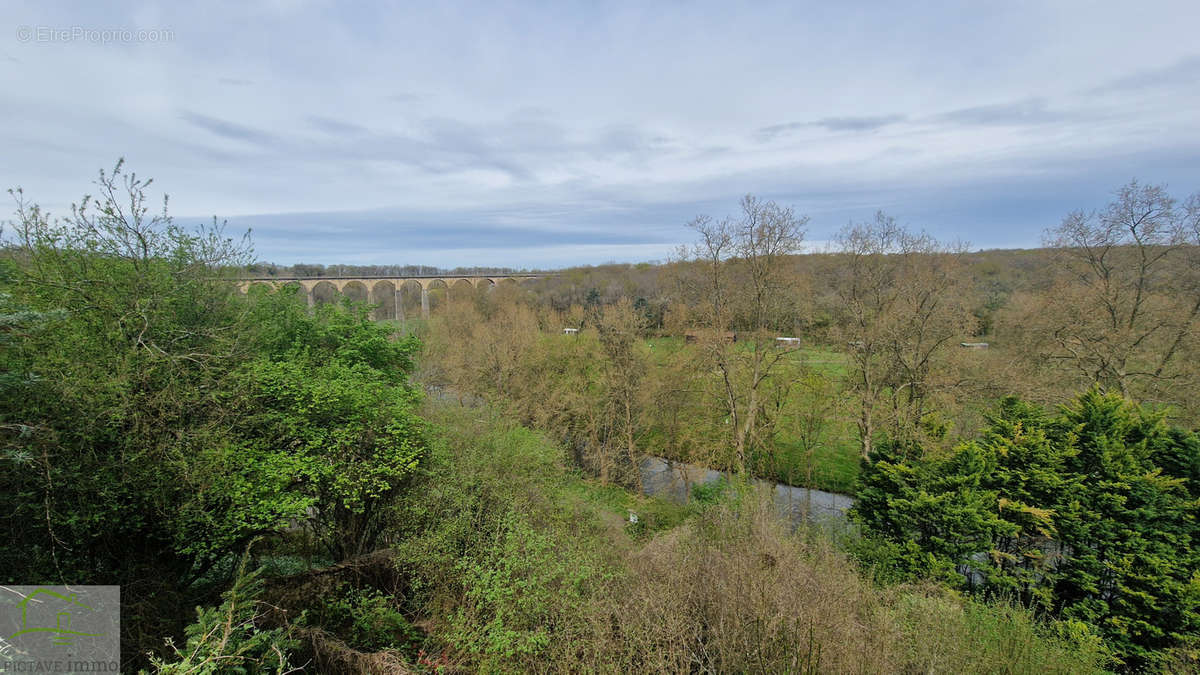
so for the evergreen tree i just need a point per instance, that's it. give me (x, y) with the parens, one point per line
(1091, 514)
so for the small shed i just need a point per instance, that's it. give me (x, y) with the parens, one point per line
(787, 342)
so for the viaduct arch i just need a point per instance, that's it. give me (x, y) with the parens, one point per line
(387, 293)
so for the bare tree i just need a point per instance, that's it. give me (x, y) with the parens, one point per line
(901, 299)
(747, 290)
(624, 368)
(1128, 297)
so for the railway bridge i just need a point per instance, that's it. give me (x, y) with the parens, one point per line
(384, 292)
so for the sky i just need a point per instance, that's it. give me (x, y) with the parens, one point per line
(537, 135)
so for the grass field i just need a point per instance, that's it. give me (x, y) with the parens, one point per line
(834, 462)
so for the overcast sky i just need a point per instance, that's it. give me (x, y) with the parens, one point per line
(548, 134)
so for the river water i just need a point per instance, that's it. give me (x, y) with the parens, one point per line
(674, 480)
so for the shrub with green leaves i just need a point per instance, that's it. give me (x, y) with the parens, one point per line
(1091, 514)
(366, 619)
(521, 590)
(153, 421)
(229, 638)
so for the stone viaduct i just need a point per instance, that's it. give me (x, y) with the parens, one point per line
(385, 292)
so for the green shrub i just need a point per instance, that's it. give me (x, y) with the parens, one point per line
(710, 493)
(519, 590)
(366, 619)
(229, 638)
(1090, 514)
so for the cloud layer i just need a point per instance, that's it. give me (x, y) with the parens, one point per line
(534, 135)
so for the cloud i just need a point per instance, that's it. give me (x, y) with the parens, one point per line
(533, 233)
(776, 130)
(846, 123)
(1027, 111)
(368, 232)
(858, 123)
(1184, 72)
(336, 127)
(455, 145)
(515, 147)
(439, 145)
(227, 129)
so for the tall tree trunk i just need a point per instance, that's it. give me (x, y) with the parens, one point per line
(866, 429)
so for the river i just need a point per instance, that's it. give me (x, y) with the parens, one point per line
(674, 480)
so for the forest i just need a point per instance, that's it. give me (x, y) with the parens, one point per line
(279, 487)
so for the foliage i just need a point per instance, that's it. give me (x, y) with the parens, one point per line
(522, 566)
(589, 389)
(228, 638)
(1125, 308)
(330, 396)
(742, 283)
(901, 306)
(366, 618)
(947, 634)
(613, 396)
(519, 589)
(710, 493)
(154, 421)
(134, 346)
(113, 431)
(1069, 513)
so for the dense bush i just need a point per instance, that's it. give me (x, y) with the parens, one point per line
(367, 619)
(154, 422)
(1090, 514)
(330, 397)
